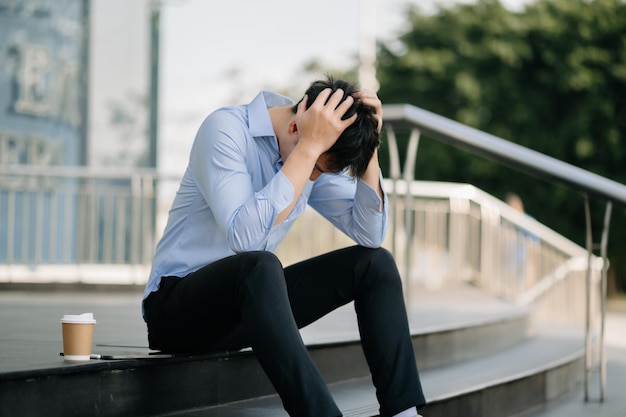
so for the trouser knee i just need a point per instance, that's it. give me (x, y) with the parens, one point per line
(379, 266)
(260, 269)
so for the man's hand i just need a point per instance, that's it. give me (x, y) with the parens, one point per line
(370, 98)
(320, 125)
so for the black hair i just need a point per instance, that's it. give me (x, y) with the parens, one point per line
(356, 145)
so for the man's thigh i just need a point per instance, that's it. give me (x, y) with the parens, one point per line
(321, 284)
(197, 311)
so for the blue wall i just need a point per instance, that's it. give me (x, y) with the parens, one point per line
(43, 96)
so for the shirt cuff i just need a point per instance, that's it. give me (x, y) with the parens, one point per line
(279, 192)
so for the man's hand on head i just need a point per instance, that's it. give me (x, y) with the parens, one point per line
(370, 98)
(322, 123)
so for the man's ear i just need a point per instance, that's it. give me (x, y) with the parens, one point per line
(293, 127)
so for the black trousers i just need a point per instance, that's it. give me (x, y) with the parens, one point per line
(249, 299)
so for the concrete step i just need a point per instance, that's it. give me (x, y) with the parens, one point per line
(611, 402)
(516, 380)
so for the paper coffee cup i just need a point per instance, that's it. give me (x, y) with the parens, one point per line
(77, 336)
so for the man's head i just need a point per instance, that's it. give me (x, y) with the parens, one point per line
(356, 145)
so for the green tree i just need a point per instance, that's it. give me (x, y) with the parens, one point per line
(551, 77)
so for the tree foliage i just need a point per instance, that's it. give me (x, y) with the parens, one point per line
(551, 77)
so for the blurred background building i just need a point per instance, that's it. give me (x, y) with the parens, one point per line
(43, 82)
(44, 102)
(66, 104)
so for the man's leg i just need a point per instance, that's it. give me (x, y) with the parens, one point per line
(236, 302)
(370, 278)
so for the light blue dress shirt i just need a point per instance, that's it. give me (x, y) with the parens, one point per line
(233, 189)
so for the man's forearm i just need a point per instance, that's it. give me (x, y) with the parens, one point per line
(297, 169)
(372, 176)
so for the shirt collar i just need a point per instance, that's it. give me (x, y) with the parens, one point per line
(259, 117)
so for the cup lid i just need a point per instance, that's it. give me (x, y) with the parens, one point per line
(78, 318)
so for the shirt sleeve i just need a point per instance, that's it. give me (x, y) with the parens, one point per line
(353, 207)
(222, 168)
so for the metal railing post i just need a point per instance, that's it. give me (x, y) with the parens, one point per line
(588, 350)
(598, 347)
(408, 175)
(603, 287)
(394, 167)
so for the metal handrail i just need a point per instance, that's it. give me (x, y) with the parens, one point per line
(532, 163)
(507, 153)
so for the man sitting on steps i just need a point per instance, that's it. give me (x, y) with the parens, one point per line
(215, 283)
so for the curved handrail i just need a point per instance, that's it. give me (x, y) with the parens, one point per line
(539, 165)
(505, 152)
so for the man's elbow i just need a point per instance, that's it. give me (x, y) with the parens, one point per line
(243, 243)
(371, 243)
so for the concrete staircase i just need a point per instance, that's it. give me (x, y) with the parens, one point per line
(478, 356)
